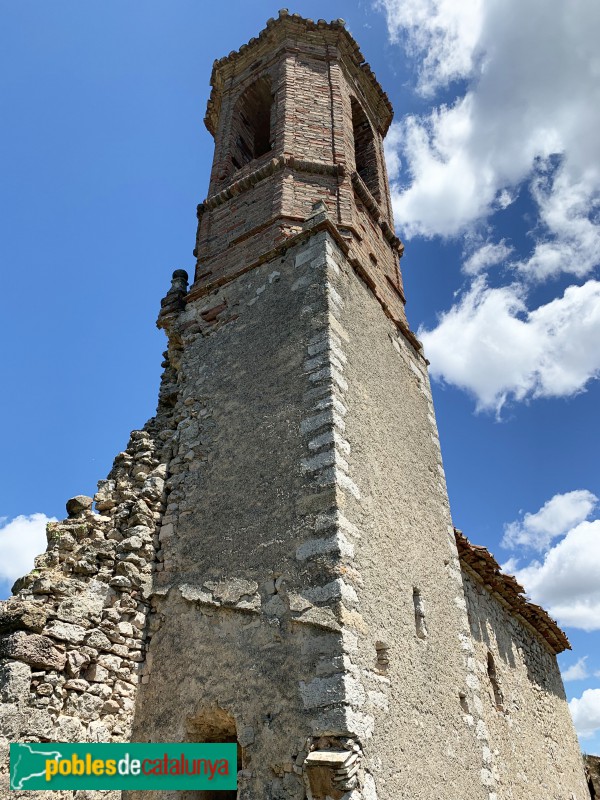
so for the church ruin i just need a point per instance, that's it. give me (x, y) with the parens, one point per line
(272, 559)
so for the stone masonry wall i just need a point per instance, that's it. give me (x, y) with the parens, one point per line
(310, 598)
(248, 606)
(408, 615)
(74, 635)
(273, 563)
(531, 746)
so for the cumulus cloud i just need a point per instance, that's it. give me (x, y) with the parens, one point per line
(577, 671)
(21, 539)
(391, 146)
(585, 711)
(488, 255)
(528, 111)
(492, 346)
(567, 580)
(558, 515)
(442, 34)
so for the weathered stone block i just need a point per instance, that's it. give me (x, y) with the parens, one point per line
(22, 615)
(33, 649)
(15, 680)
(77, 505)
(66, 631)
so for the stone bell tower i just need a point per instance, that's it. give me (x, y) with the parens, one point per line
(273, 561)
(308, 603)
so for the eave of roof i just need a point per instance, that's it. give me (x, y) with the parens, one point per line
(510, 593)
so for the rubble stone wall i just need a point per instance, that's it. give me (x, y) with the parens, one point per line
(74, 635)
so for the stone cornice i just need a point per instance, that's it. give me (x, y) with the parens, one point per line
(270, 168)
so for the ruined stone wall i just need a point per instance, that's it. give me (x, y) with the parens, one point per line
(531, 743)
(74, 635)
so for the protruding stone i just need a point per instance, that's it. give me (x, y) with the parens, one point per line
(78, 504)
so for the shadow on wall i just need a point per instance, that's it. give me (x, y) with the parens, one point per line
(511, 642)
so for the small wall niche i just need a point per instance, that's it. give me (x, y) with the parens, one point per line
(420, 625)
(495, 683)
(382, 659)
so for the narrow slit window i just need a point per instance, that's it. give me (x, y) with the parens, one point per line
(383, 659)
(420, 625)
(493, 676)
(252, 127)
(365, 149)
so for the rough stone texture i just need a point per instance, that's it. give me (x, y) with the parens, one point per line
(273, 560)
(528, 736)
(592, 764)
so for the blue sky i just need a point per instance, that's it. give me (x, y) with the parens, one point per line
(495, 162)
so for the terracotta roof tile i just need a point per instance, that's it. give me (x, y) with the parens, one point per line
(480, 561)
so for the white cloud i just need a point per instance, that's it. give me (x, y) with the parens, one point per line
(532, 92)
(21, 539)
(558, 515)
(443, 32)
(577, 671)
(585, 711)
(567, 581)
(505, 199)
(490, 345)
(391, 146)
(566, 207)
(488, 255)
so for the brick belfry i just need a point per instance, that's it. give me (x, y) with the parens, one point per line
(273, 561)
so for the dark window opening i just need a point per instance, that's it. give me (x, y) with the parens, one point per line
(252, 123)
(493, 676)
(419, 605)
(365, 149)
(213, 725)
